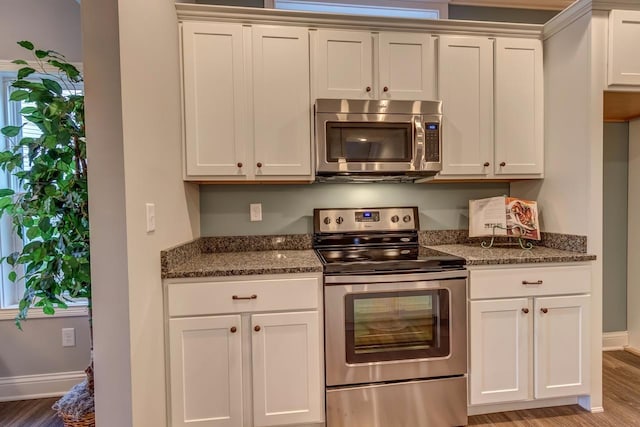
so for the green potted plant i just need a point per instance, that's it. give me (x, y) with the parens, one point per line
(48, 205)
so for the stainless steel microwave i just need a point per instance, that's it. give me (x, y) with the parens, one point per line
(377, 138)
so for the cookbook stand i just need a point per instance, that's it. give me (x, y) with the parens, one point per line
(524, 244)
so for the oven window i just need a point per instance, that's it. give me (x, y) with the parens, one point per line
(397, 325)
(368, 142)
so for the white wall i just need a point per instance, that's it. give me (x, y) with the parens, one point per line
(49, 24)
(633, 251)
(570, 196)
(133, 118)
(37, 350)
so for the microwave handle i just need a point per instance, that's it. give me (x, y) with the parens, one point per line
(419, 137)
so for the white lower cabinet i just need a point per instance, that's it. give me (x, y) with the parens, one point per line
(250, 368)
(525, 345)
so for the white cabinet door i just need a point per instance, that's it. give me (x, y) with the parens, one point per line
(214, 101)
(562, 346)
(206, 371)
(519, 139)
(500, 350)
(281, 105)
(344, 65)
(287, 368)
(465, 86)
(623, 60)
(406, 66)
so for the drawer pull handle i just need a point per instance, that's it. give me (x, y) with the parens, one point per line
(233, 329)
(544, 310)
(525, 310)
(257, 328)
(537, 282)
(236, 297)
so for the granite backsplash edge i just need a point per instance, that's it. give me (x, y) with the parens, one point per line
(565, 242)
(179, 254)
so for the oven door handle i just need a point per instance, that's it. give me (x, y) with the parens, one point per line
(386, 278)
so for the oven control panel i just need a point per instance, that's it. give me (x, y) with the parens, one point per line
(365, 219)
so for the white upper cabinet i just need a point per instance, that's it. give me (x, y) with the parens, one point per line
(406, 66)
(465, 86)
(247, 110)
(215, 108)
(281, 105)
(492, 100)
(519, 108)
(365, 65)
(624, 61)
(344, 64)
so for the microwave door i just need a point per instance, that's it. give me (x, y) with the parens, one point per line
(362, 144)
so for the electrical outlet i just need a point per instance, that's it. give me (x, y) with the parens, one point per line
(151, 217)
(255, 211)
(68, 337)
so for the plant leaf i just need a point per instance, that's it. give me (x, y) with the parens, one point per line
(19, 62)
(6, 192)
(53, 86)
(26, 44)
(19, 95)
(11, 130)
(41, 53)
(48, 310)
(24, 72)
(12, 276)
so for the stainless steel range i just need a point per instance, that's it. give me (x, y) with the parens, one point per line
(395, 322)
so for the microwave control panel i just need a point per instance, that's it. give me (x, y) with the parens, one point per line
(432, 142)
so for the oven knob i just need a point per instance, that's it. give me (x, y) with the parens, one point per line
(395, 218)
(327, 220)
(339, 220)
(406, 218)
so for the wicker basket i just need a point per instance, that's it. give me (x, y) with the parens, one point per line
(87, 420)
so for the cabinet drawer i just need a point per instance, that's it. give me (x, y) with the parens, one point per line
(529, 281)
(192, 299)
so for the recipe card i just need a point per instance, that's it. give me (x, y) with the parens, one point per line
(504, 216)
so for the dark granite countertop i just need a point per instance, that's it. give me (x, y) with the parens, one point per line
(477, 255)
(281, 254)
(246, 263)
(244, 255)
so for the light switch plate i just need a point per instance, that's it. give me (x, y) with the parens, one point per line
(151, 217)
(68, 337)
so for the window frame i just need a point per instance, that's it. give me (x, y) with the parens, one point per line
(440, 6)
(11, 292)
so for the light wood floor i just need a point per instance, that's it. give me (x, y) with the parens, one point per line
(621, 387)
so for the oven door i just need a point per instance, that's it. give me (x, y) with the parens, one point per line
(369, 143)
(389, 328)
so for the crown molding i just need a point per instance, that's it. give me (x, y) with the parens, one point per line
(516, 4)
(248, 15)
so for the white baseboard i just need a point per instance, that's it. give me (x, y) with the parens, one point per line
(615, 340)
(38, 386)
(633, 350)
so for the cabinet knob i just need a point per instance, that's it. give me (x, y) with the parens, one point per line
(257, 328)
(259, 164)
(544, 310)
(385, 89)
(525, 310)
(239, 164)
(486, 164)
(233, 329)
(503, 164)
(368, 88)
